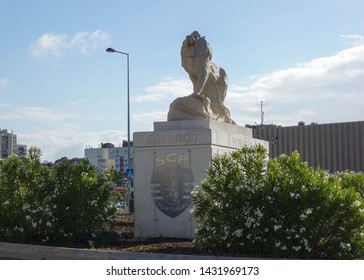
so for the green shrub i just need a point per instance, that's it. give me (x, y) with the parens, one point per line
(66, 204)
(279, 208)
(24, 199)
(81, 202)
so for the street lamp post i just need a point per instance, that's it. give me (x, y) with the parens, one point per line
(111, 50)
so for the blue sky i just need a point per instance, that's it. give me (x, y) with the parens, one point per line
(60, 90)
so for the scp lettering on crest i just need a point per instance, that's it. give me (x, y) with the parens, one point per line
(171, 158)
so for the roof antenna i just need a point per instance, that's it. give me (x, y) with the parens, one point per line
(261, 103)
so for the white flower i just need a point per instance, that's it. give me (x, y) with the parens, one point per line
(26, 206)
(296, 248)
(276, 227)
(346, 246)
(284, 248)
(278, 244)
(34, 224)
(294, 195)
(27, 217)
(238, 232)
(91, 243)
(258, 213)
(48, 224)
(356, 203)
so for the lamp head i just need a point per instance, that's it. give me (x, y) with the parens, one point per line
(110, 50)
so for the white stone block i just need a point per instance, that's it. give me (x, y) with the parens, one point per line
(168, 163)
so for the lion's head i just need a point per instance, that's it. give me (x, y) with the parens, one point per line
(194, 52)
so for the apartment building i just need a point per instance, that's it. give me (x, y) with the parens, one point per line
(9, 145)
(107, 156)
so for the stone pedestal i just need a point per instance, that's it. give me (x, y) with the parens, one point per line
(168, 163)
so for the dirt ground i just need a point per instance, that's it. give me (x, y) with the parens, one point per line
(125, 227)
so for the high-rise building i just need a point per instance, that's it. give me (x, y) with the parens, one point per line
(9, 145)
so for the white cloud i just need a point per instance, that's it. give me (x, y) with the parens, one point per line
(327, 89)
(77, 102)
(167, 89)
(49, 44)
(3, 82)
(52, 44)
(44, 114)
(36, 114)
(85, 41)
(146, 117)
(353, 39)
(68, 141)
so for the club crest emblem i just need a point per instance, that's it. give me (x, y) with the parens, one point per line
(171, 189)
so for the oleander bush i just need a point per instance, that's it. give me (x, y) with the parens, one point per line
(65, 204)
(282, 208)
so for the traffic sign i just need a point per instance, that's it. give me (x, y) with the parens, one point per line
(129, 173)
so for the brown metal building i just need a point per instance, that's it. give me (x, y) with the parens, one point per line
(333, 146)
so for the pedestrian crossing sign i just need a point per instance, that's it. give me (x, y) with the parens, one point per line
(129, 173)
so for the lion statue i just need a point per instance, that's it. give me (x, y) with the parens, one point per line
(209, 84)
